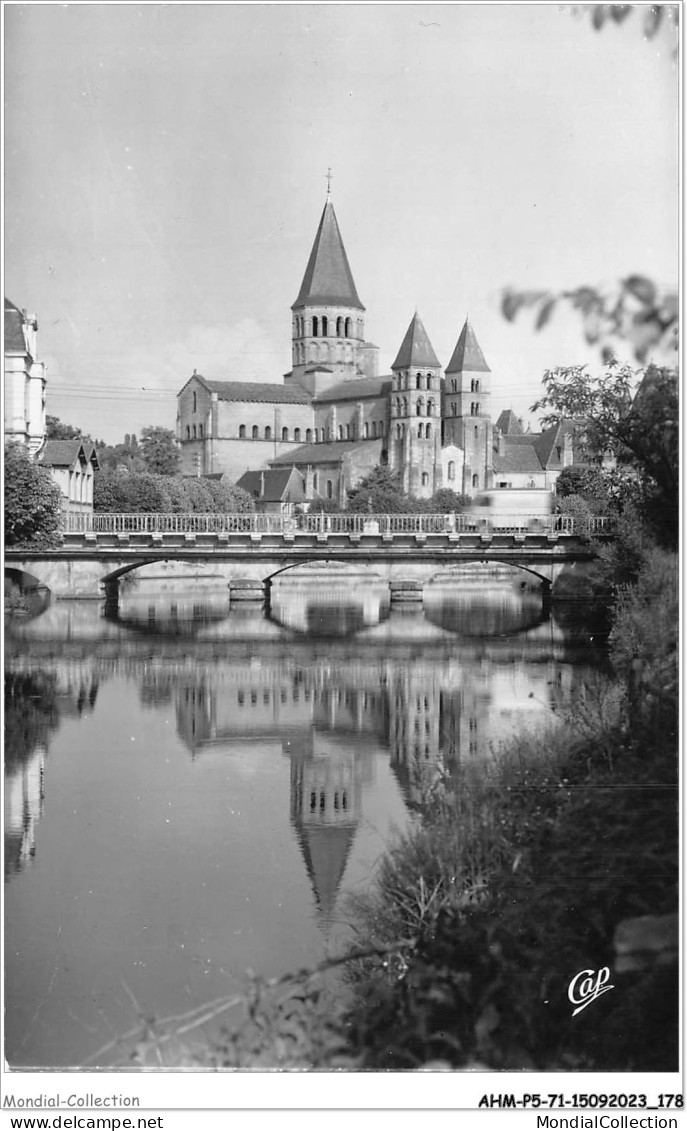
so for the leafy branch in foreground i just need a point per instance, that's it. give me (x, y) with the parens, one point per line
(636, 310)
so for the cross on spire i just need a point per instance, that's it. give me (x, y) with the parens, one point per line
(329, 183)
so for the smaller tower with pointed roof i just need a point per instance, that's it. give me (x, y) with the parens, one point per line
(328, 326)
(466, 411)
(415, 419)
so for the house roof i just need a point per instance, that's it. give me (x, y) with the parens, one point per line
(272, 485)
(467, 357)
(320, 453)
(416, 348)
(509, 423)
(64, 453)
(15, 341)
(257, 392)
(547, 442)
(328, 279)
(517, 458)
(355, 390)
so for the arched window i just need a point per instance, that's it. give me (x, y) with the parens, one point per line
(297, 435)
(425, 479)
(475, 481)
(420, 430)
(429, 380)
(200, 431)
(347, 328)
(341, 431)
(324, 325)
(314, 481)
(330, 491)
(242, 431)
(308, 436)
(268, 432)
(418, 380)
(314, 327)
(254, 432)
(398, 431)
(430, 407)
(478, 409)
(374, 428)
(428, 431)
(419, 407)
(366, 430)
(454, 409)
(472, 408)
(405, 406)
(348, 431)
(194, 402)
(188, 431)
(451, 469)
(317, 435)
(194, 431)
(339, 327)
(284, 433)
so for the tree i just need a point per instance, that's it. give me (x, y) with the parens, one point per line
(33, 503)
(640, 433)
(56, 430)
(380, 493)
(159, 449)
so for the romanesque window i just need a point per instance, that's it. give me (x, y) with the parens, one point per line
(314, 481)
(297, 435)
(330, 490)
(366, 430)
(339, 327)
(374, 428)
(430, 407)
(242, 431)
(200, 431)
(254, 432)
(420, 430)
(188, 431)
(425, 479)
(475, 481)
(194, 402)
(428, 431)
(474, 386)
(314, 327)
(317, 435)
(348, 431)
(429, 380)
(451, 469)
(478, 409)
(194, 431)
(324, 325)
(405, 407)
(347, 328)
(398, 432)
(308, 435)
(418, 381)
(341, 431)
(419, 407)
(268, 432)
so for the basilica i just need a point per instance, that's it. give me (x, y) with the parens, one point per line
(334, 418)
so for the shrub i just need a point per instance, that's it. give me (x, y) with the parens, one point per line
(33, 503)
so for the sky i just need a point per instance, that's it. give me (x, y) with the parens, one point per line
(165, 173)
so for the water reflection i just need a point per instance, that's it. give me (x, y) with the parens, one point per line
(148, 610)
(335, 610)
(203, 803)
(486, 610)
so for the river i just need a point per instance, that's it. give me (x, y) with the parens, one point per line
(196, 788)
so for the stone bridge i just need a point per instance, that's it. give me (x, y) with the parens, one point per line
(90, 564)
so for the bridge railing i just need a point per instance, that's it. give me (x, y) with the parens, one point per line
(344, 523)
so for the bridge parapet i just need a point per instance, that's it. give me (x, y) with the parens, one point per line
(328, 525)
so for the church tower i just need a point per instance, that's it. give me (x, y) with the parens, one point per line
(328, 326)
(415, 424)
(466, 411)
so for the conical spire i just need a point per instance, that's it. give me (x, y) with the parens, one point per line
(416, 348)
(328, 279)
(467, 356)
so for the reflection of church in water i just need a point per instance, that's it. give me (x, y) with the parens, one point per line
(430, 716)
